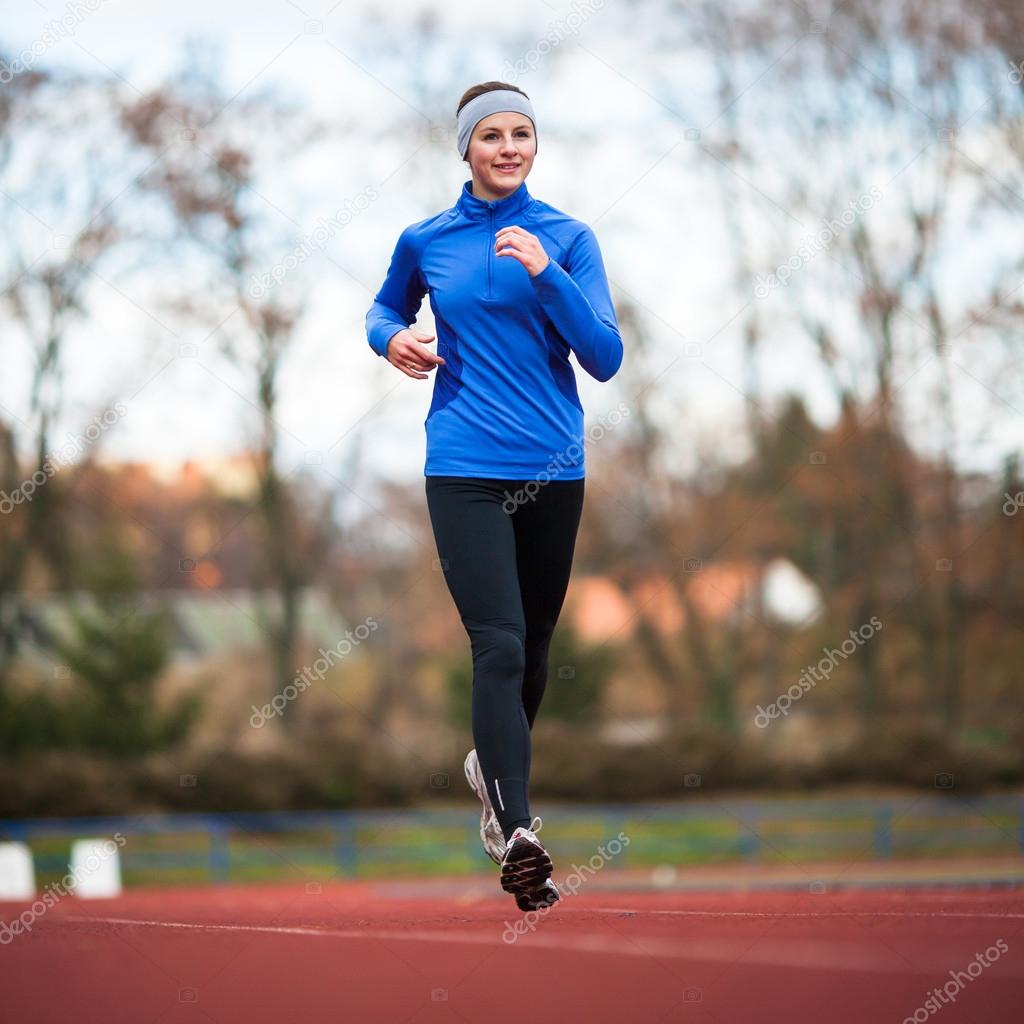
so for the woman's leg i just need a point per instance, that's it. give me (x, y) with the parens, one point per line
(476, 543)
(546, 526)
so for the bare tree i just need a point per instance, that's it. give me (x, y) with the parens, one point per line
(211, 151)
(863, 100)
(61, 229)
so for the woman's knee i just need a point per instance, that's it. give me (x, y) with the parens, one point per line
(498, 644)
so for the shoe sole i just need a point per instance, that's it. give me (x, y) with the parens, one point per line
(538, 900)
(525, 868)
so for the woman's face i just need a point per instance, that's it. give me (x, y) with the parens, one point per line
(505, 138)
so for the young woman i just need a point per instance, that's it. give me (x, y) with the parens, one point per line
(515, 285)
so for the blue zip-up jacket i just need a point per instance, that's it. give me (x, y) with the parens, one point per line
(505, 403)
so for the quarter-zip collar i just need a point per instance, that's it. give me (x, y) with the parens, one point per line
(503, 211)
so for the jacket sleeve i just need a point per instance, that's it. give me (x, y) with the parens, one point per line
(396, 304)
(579, 304)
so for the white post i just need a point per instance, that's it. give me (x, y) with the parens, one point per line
(95, 868)
(17, 875)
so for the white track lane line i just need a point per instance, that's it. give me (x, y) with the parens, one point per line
(983, 915)
(806, 954)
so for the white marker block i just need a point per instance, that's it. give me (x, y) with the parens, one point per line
(17, 875)
(663, 875)
(96, 868)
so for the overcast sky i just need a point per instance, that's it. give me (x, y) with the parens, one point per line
(659, 221)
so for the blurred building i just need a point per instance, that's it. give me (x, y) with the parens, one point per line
(204, 623)
(600, 610)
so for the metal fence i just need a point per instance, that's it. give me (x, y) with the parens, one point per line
(226, 847)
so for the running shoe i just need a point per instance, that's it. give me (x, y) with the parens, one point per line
(546, 895)
(526, 866)
(490, 831)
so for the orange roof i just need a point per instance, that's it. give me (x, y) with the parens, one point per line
(601, 610)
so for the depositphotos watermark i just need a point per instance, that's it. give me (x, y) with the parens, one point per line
(811, 677)
(53, 892)
(260, 284)
(318, 670)
(53, 31)
(562, 28)
(570, 885)
(946, 995)
(1013, 504)
(74, 445)
(814, 244)
(561, 460)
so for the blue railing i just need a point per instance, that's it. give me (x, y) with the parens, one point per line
(367, 843)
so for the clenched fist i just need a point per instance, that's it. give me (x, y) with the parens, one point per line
(518, 242)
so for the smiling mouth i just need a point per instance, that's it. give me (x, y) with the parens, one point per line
(507, 167)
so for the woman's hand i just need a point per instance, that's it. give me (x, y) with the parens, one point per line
(518, 242)
(407, 351)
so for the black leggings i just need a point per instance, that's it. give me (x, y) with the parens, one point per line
(506, 549)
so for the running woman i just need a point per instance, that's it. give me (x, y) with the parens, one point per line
(514, 285)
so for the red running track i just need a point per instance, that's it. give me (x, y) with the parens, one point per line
(359, 952)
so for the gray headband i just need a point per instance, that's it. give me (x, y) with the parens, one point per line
(487, 103)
